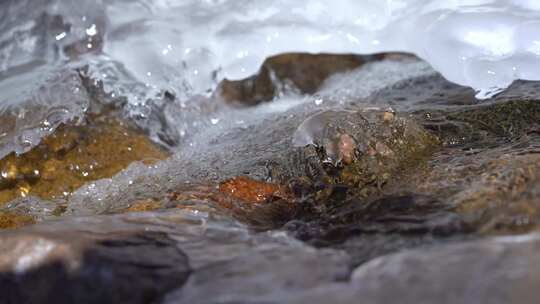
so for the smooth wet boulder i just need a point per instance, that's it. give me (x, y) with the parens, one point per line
(83, 267)
(245, 279)
(296, 71)
(495, 270)
(147, 257)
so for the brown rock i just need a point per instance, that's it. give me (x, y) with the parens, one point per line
(249, 190)
(301, 71)
(11, 220)
(346, 148)
(74, 155)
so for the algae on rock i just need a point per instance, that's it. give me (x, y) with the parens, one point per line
(74, 155)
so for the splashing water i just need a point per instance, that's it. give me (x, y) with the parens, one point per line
(140, 49)
(484, 44)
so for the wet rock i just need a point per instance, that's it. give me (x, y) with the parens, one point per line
(235, 281)
(78, 267)
(355, 176)
(346, 148)
(262, 205)
(508, 119)
(300, 71)
(279, 204)
(483, 125)
(354, 145)
(74, 155)
(13, 220)
(267, 152)
(505, 203)
(369, 229)
(249, 190)
(489, 167)
(499, 270)
(408, 215)
(306, 169)
(141, 257)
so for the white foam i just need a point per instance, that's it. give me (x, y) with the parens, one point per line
(485, 44)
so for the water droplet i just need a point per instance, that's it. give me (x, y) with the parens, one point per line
(24, 189)
(92, 30)
(311, 129)
(60, 36)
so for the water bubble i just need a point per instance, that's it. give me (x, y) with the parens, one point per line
(92, 30)
(318, 100)
(60, 36)
(312, 129)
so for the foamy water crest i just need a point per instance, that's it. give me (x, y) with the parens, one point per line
(484, 44)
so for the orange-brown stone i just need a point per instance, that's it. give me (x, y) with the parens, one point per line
(11, 220)
(250, 190)
(73, 156)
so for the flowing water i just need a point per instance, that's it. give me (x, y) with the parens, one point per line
(197, 143)
(138, 49)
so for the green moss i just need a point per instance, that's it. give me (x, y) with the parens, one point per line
(390, 152)
(509, 119)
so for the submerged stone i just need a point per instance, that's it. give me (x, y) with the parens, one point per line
(12, 220)
(249, 190)
(362, 149)
(489, 167)
(74, 155)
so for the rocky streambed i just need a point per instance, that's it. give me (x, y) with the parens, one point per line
(321, 179)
